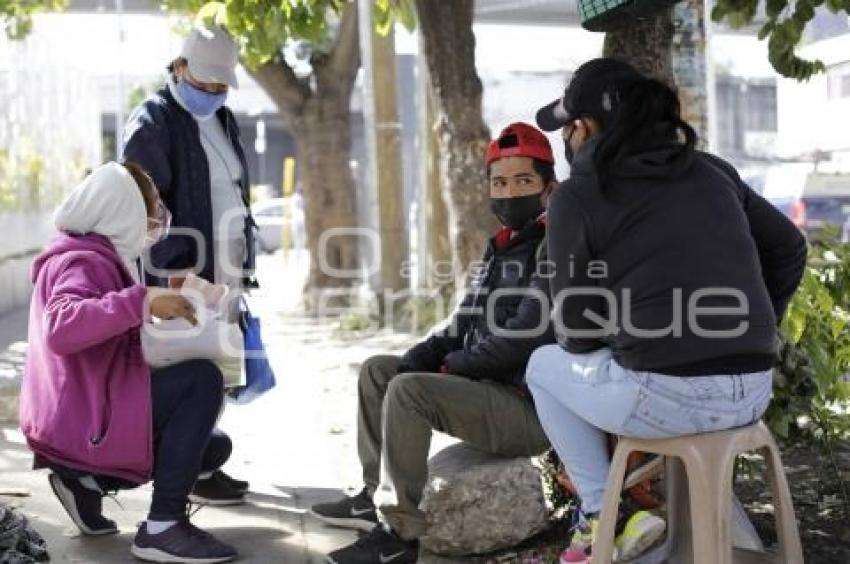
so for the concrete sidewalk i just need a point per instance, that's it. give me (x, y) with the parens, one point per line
(13, 327)
(13, 336)
(296, 445)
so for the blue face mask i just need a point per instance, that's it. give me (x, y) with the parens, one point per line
(202, 104)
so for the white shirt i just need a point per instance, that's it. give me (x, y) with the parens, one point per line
(228, 208)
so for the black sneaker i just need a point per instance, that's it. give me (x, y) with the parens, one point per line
(216, 490)
(238, 485)
(381, 546)
(356, 512)
(182, 542)
(84, 506)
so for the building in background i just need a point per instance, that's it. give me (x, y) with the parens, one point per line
(814, 115)
(746, 119)
(119, 58)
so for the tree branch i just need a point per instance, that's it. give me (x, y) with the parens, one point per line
(345, 56)
(280, 82)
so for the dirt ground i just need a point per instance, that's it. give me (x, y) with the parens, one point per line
(823, 512)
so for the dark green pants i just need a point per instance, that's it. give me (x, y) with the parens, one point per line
(397, 414)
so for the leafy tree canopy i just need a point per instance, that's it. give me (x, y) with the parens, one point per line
(264, 26)
(786, 21)
(261, 26)
(16, 15)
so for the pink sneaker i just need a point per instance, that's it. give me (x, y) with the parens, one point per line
(579, 550)
(576, 555)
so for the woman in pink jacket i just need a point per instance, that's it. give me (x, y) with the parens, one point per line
(91, 409)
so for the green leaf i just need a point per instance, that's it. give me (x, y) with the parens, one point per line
(804, 13)
(406, 14)
(213, 13)
(824, 300)
(796, 327)
(233, 15)
(17, 15)
(780, 425)
(775, 7)
(718, 13)
(738, 20)
(843, 389)
(383, 22)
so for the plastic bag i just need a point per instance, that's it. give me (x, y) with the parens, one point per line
(171, 341)
(259, 376)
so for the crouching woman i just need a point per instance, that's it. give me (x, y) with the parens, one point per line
(91, 409)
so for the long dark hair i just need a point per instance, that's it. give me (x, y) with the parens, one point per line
(646, 112)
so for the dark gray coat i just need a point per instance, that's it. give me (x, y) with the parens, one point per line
(163, 139)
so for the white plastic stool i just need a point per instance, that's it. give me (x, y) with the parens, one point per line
(699, 475)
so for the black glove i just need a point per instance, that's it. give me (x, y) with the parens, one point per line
(457, 363)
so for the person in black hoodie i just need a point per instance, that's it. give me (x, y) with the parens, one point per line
(466, 379)
(669, 278)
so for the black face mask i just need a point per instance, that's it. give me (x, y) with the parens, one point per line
(517, 212)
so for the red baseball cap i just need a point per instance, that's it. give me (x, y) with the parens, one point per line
(530, 142)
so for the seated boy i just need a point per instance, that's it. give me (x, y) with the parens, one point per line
(466, 380)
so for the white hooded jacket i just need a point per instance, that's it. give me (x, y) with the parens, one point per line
(108, 202)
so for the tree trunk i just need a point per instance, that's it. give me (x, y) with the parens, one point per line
(448, 44)
(383, 131)
(694, 77)
(323, 144)
(439, 246)
(671, 47)
(315, 109)
(646, 45)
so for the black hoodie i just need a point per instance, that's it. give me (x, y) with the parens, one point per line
(470, 344)
(670, 222)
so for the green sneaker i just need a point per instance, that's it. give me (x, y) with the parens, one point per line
(640, 532)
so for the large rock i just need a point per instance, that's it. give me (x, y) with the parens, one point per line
(476, 502)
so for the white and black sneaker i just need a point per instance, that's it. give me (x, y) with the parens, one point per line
(355, 512)
(84, 505)
(182, 542)
(381, 546)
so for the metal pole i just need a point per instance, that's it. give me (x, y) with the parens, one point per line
(383, 135)
(121, 97)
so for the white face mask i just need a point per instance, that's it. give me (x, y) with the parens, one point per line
(157, 226)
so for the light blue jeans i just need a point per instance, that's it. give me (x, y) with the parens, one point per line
(580, 397)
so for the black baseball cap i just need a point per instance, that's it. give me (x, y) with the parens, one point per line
(592, 92)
